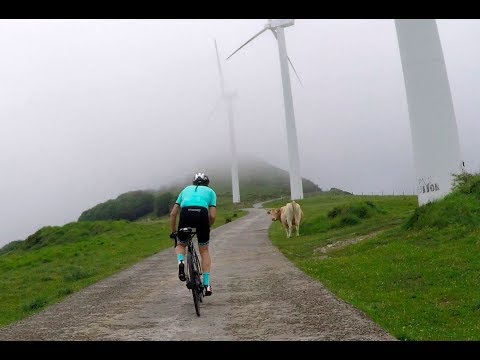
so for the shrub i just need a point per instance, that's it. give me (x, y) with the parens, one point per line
(467, 183)
(163, 203)
(75, 273)
(352, 214)
(36, 304)
(129, 206)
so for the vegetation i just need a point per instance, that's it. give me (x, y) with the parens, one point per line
(129, 206)
(56, 261)
(413, 270)
(163, 203)
(352, 214)
(258, 182)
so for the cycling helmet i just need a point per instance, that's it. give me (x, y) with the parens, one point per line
(201, 179)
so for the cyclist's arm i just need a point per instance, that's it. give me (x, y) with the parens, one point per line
(173, 217)
(212, 209)
(212, 212)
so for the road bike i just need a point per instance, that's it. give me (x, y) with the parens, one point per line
(194, 268)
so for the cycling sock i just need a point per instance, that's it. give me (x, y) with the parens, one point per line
(206, 279)
(180, 258)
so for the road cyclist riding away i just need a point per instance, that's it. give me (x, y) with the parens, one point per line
(196, 205)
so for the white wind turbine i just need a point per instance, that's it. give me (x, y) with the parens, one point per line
(435, 140)
(277, 26)
(226, 98)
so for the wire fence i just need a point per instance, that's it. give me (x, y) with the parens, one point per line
(388, 193)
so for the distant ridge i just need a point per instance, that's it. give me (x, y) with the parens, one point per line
(258, 181)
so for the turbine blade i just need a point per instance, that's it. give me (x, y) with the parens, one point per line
(222, 84)
(295, 71)
(253, 37)
(291, 64)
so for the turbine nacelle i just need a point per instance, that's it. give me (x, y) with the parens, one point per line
(274, 23)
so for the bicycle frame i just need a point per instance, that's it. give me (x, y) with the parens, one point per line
(194, 269)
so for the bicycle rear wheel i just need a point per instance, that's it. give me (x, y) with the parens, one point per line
(198, 271)
(194, 277)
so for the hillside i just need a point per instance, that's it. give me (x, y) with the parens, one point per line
(413, 270)
(258, 181)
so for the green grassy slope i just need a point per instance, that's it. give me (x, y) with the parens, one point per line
(417, 276)
(58, 260)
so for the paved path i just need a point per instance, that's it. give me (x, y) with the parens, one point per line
(258, 295)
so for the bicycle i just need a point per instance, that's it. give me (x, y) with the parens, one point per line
(194, 268)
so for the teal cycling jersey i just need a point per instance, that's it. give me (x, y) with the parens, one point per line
(194, 195)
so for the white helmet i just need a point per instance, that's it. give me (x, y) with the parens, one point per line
(200, 179)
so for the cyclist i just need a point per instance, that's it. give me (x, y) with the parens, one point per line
(196, 204)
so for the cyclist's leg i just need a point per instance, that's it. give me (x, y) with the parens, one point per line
(180, 251)
(205, 257)
(181, 244)
(203, 236)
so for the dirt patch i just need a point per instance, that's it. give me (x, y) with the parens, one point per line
(342, 243)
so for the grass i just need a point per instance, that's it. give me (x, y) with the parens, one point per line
(417, 278)
(57, 261)
(318, 229)
(42, 275)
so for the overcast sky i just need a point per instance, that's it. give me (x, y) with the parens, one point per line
(91, 109)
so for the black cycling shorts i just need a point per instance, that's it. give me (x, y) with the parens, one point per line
(195, 217)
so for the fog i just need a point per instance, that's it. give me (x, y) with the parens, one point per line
(91, 109)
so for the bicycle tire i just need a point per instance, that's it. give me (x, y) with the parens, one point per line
(198, 272)
(193, 277)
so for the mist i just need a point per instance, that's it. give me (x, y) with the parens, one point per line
(94, 108)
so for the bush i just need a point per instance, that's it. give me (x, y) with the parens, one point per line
(352, 214)
(129, 206)
(36, 304)
(163, 203)
(467, 183)
(460, 207)
(360, 210)
(75, 273)
(11, 246)
(65, 291)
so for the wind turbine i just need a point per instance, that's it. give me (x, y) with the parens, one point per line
(226, 98)
(276, 26)
(435, 140)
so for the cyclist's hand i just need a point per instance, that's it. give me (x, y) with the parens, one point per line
(173, 235)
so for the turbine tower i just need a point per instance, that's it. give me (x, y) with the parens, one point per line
(227, 100)
(277, 27)
(436, 146)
